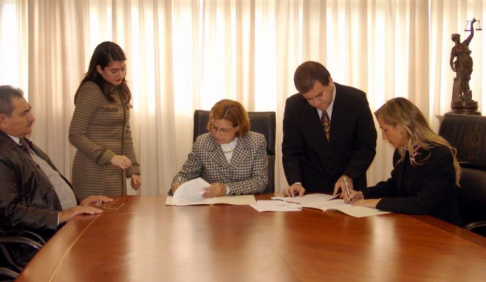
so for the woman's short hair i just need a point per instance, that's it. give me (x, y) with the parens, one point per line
(233, 112)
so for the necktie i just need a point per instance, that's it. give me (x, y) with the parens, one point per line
(326, 125)
(26, 146)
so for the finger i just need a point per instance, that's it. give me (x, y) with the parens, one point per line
(301, 192)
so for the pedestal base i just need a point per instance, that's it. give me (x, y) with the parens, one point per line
(465, 108)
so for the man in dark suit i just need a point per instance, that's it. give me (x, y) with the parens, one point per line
(329, 134)
(33, 195)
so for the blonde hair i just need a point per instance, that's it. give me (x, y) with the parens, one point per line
(233, 112)
(416, 130)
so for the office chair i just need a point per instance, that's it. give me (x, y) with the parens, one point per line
(17, 247)
(467, 133)
(261, 122)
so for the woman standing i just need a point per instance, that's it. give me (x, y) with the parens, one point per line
(100, 127)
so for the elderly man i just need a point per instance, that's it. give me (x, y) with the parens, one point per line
(33, 194)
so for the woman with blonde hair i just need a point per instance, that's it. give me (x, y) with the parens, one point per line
(230, 157)
(426, 172)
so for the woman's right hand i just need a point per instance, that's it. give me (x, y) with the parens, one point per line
(121, 162)
(175, 186)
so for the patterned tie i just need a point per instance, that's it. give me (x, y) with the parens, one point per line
(26, 146)
(326, 125)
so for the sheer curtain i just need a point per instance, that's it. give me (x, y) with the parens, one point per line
(188, 54)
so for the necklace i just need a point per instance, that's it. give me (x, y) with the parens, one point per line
(229, 151)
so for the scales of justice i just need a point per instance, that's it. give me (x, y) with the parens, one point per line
(462, 64)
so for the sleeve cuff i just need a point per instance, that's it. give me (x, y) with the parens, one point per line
(106, 157)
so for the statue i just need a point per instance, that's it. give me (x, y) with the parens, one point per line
(463, 66)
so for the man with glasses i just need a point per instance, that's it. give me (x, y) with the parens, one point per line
(33, 195)
(230, 157)
(329, 134)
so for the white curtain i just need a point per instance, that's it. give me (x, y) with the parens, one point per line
(188, 54)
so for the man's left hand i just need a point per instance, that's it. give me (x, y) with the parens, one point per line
(97, 200)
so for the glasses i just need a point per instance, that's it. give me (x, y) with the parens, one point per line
(223, 131)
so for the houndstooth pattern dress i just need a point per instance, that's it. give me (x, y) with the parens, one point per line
(247, 172)
(100, 130)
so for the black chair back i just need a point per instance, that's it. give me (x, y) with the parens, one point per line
(467, 133)
(261, 122)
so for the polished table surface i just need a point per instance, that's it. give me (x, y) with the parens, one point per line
(144, 240)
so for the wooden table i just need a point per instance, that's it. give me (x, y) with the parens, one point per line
(144, 240)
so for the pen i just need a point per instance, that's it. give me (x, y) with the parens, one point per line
(347, 187)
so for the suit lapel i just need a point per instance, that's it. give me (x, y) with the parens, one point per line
(240, 152)
(217, 154)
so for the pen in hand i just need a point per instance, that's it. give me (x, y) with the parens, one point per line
(347, 189)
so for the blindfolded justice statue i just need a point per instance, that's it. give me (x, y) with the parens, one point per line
(462, 102)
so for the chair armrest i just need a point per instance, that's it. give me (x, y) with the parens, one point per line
(476, 226)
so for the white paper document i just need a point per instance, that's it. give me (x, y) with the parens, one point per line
(270, 205)
(191, 191)
(349, 209)
(307, 199)
(230, 200)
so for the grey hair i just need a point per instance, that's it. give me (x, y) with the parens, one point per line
(7, 92)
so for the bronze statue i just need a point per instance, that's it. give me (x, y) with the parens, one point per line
(463, 66)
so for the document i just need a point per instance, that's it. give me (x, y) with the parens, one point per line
(349, 209)
(326, 202)
(270, 205)
(230, 200)
(191, 191)
(307, 199)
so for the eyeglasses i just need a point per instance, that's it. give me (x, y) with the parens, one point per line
(223, 131)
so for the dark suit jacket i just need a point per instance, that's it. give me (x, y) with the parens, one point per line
(428, 188)
(307, 156)
(27, 198)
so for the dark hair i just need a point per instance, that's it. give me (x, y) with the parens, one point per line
(308, 73)
(233, 112)
(103, 55)
(6, 94)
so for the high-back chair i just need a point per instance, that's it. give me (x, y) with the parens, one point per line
(261, 122)
(467, 133)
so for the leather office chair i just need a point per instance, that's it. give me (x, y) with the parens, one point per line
(17, 247)
(467, 133)
(261, 122)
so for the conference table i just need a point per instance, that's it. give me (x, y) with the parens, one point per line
(139, 238)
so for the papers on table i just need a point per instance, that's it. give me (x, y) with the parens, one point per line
(190, 193)
(271, 205)
(341, 206)
(307, 199)
(230, 200)
(329, 202)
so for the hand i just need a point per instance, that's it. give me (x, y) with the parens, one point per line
(174, 187)
(96, 199)
(121, 162)
(215, 190)
(341, 186)
(135, 181)
(371, 203)
(67, 215)
(355, 196)
(295, 189)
